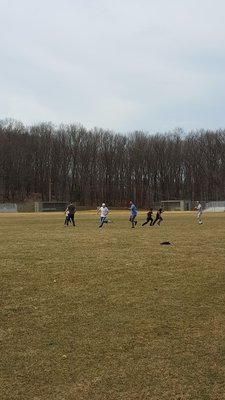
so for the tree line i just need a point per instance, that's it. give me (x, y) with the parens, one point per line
(69, 162)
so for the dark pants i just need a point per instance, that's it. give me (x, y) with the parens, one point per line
(66, 220)
(71, 218)
(146, 222)
(103, 221)
(159, 219)
(132, 220)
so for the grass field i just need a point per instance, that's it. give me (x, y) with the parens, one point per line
(110, 314)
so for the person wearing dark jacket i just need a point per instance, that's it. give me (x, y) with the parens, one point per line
(158, 217)
(149, 218)
(72, 209)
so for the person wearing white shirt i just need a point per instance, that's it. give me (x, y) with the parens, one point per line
(199, 212)
(104, 211)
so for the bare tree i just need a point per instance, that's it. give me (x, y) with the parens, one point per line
(72, 163)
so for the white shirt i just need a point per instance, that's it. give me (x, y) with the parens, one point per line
(104, 211)
(199, 208)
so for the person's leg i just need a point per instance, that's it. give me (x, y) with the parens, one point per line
(72, 219)
(200, 218)
(160, 220)
(134, 222)
(145, 222)
(156, 219)
(101, 222)
(151, 222)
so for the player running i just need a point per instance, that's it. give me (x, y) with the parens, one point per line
(149, 218)
(104, 211)
(158, 217)
(133, 214)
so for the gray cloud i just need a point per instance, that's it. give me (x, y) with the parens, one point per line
(122, 65)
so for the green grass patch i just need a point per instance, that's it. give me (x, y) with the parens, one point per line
(110, 314)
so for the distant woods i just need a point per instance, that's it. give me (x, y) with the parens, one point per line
(69, 162)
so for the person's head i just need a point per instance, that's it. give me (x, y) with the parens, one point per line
(103, 205)
(131, 202)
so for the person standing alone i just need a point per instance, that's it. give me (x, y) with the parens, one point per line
(199, 212)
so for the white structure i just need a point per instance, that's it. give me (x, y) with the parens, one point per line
(176, 205)
(8, 207)
(40, 206)
(215, 206)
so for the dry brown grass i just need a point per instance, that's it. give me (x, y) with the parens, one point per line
(92, 314)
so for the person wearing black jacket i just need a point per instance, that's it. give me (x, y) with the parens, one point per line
(149, 218)
(72, 209)
(158, 217)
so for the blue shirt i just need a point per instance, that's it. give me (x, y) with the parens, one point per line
(133, 210)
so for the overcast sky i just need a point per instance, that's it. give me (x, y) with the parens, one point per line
(123, 65)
